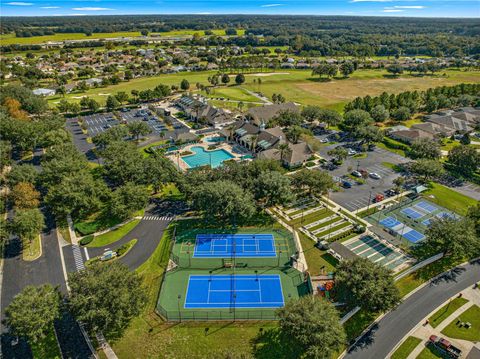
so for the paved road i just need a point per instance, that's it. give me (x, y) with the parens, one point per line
(383, 337)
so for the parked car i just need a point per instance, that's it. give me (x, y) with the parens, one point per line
(351, 152)
(357, 174)
(346, 184)
(374, 175)
(364, 173)
(445, 346)
(378, 198)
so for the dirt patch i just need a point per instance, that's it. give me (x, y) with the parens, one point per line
(266, 74)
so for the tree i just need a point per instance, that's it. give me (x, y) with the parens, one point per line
(225, 200)
(311, 113)
(138, 128)
(465, 159)
(354, 119)
(330, 117)
(364, 283)
(112, 103)
(239, 79)
(295, 132)
(347, 68)
(474, 215)
(369, 134)
(225, 79)
(310, 327)
(428, 169)
(339, 153)
(127, 199)
(22, 173)
(25, 196)
(273, 188)
(184, 85)
(395, 69)
(144, 32)
(379, 113)
(123, 163)
(121, 96)
(401, 114)
(28, 223)
(113, 134)
(313, 182)
(425, 148)
(454, 238)
(32, 312)
(106, 296)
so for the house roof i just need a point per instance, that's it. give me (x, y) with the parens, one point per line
(267, 112)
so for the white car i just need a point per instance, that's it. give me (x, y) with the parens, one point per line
(374, 175)
(351, 152)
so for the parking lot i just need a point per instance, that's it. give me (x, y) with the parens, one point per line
(157, 126)
(360, 195)
(98, 123)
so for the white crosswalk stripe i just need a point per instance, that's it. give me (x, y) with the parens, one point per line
(77, 256)
(157, 218)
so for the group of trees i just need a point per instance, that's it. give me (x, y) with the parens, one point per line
(330, 70)
(236, 191)
(402, 105)
(103, 296)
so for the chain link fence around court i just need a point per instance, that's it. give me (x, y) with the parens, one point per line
(183, 250)
(171, 306)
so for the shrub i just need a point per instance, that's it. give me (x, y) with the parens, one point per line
(86, 228)
(310, 164)
(186, 153)
(86, 240)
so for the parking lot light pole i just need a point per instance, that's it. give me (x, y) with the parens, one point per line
(178, 306)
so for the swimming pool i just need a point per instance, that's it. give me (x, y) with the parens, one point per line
(201, 157)
(215, 139)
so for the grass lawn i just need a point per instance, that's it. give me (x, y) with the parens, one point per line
(235, 93)
(143, 150)
(32, 250)
(406, 348)
(10, 39)
(358, 323)
(445, 311)
(445, 197)
(316, 258)
(448, 144)
(113, 236)
(171, 192)
(300, 86)
(46, 348)
(430, 352)
(471, 315)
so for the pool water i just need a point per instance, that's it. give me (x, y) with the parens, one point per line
(215, 139)
(201, 157)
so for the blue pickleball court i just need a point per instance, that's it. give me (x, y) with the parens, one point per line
(238, 245)
(234, 290)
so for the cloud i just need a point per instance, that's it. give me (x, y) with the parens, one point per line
(204, 13)
(19, 3)
(410, 7)
(392, 10)
(92, 9)
(49, 7)
(271, 5)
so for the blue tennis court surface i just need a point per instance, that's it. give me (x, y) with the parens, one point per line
(237, 290)
(240, 245)
(427, 207)
(389, 222)
(413, 236)
(410, 212)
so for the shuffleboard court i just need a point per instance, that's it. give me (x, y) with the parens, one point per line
(234, 291)
(238, 245)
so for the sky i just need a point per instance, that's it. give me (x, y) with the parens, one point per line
(409, 8)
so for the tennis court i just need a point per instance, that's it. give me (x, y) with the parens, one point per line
(238, 245)
(234, 290)
(402, 229)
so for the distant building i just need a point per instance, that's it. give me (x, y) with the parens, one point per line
(43, 92)
(263, 114)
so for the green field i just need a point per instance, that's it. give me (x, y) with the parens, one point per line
(445, 197)
(471, 315)
(296, 85)
(445, 311)
(406, 348)
(114, 235)
(10, 39)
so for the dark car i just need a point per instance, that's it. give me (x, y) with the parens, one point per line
(346, 184)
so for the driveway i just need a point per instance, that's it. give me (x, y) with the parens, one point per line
(359, 196)
(390, 330)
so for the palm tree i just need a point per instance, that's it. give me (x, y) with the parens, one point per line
(253, 142)
(283, 148)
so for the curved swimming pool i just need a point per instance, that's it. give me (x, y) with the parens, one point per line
(202, 157)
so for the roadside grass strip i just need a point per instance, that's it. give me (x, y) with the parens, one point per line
(458, 328)
(404, 350)
(445, 311)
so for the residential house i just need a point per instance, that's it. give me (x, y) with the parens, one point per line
(409, 136)
(263, 114)
(197, 110)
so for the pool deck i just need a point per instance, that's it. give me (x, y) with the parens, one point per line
(176, 158)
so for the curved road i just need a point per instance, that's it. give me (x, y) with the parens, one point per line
(391, 329)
